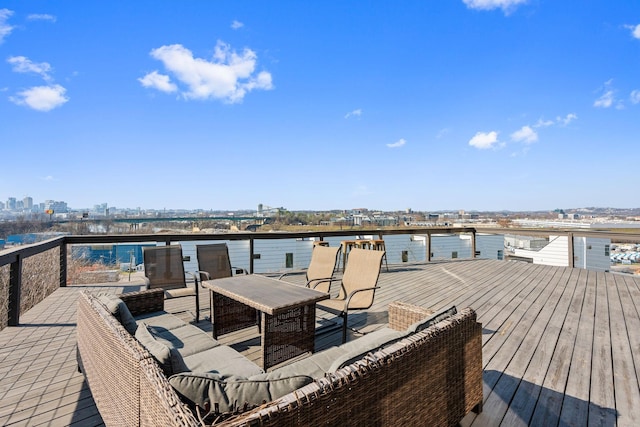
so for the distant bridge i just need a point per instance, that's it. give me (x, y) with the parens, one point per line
(141, 220)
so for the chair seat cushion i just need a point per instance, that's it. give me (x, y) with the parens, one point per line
(179, 292)
(230, 393)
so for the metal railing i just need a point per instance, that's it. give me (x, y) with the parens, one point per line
(13, 286)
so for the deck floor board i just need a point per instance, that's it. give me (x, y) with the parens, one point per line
(561, 346)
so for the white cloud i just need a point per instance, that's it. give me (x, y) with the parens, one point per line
(605, 100)
(525, 134)
(506, 5)
(229, 76)
(635, 96)
(397, 144)
(608, 97)
(236, 24)
(544, 123)
(567, 119)
(41, 98)
(635, 30)
(484, 140)
(5, 28)
(22, 64)
(354, 113)
(158, 81)
(41, 17)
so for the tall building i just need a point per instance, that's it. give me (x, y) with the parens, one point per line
(11, 204)
(27, 203)
(57, 207)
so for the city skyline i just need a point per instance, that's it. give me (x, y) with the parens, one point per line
(482, 105)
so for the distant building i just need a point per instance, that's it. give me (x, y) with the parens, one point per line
(27, 203)
(57, 207)
(588, 252)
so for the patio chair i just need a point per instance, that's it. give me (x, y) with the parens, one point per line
(164, 269)
(358, 285)
(319, 274)
(214, 263)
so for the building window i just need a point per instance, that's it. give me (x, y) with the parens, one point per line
(606, 250)
(454, 254)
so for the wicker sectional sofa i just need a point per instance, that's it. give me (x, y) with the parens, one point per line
(420, 368)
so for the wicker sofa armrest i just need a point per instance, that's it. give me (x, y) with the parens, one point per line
(141, 302)
(402, 315)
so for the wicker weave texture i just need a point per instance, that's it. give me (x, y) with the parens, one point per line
(431, 378)
(110, 362)
(402, 315)
(288, 334)
(141, 302)
(230, 315)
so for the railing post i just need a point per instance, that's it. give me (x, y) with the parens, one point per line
(473, 244)
(251, 255)
(15, 282)
(428, 247)
(63, 264)
(572, 261)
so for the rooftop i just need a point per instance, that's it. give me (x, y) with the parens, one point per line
(561, 346)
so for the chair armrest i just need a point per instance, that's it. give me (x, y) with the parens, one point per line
(348, 299)
(318, 281)
(402, 315)
(147, 301)
(204, 275)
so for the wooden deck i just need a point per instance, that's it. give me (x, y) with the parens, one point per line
(561, 346)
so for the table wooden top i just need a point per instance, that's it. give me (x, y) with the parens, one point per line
(268, 295)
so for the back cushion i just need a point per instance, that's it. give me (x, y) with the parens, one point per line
(119, 310)
(432, 320)
(167, 356)
(230, 393)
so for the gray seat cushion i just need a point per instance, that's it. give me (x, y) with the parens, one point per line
(221, 360)
(161, 319)
(315, 366)
(186, 339)
(229, 393)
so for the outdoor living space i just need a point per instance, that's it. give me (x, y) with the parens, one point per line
(561, 346)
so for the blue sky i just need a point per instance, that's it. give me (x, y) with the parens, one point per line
(429, 105)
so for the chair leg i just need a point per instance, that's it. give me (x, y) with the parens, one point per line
(344, 327)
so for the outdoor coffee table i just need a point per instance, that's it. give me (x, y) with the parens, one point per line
(287, 313)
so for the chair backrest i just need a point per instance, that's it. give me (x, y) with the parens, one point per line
(362, 271)
(323, 263)
(214, 259)
(163, 266)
